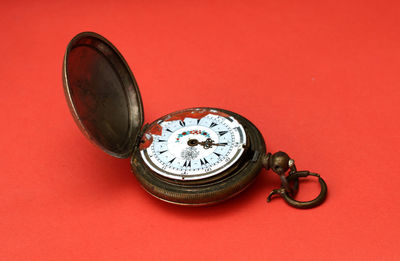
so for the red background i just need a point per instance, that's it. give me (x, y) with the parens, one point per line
(320, 79)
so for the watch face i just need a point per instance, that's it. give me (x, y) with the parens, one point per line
(193, 144)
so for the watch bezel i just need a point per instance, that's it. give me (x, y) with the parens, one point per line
(229, 183)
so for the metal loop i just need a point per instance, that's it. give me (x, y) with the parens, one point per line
(291, 185)
(280, 163)
(282, 191)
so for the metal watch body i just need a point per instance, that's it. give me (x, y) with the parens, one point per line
(197, 156)
(173, 181)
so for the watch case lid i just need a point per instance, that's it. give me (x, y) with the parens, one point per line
(102, 94)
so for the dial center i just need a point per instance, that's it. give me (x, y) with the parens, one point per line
(192, 142)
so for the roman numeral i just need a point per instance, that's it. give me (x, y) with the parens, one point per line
(203, 161)
(187, 163)
(213, 124)
(182, 123)
(222, 133)
(172, 160)
(217, 154)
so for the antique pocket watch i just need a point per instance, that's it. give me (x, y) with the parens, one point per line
(197, 156)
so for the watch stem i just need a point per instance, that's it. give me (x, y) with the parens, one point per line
(279, 162)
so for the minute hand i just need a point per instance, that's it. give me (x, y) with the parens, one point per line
(208, 143)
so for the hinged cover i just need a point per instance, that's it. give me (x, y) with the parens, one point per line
(102, 94)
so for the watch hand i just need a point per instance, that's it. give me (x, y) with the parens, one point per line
(208, 143)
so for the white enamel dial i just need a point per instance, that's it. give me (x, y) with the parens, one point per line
(193, 144)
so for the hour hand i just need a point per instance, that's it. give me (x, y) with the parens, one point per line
(207, 144)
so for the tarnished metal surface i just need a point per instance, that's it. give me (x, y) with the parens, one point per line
(105, 102)
(206, 191)
(280, 163)
(102, 94)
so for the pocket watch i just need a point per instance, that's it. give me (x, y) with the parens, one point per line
(197, 156)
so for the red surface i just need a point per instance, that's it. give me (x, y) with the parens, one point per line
(320, 79)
